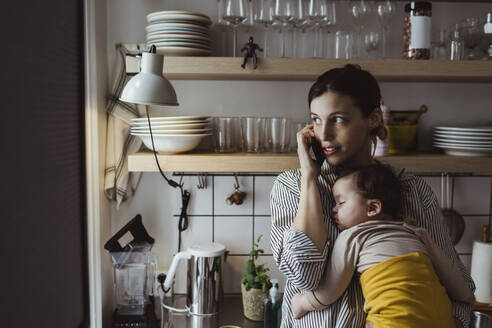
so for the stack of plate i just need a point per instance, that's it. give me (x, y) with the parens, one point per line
(171, 135)
(464, 141)
(179, 33)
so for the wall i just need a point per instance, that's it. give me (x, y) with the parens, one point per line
(449, 103)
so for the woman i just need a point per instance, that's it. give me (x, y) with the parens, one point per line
(346, 117)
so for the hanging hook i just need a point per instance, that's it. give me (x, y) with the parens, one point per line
(180, 181)
(202, 181)
(236, 185)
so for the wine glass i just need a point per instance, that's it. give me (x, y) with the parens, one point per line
(235, 12)
(371, 40)
(222, 26)
(385, 10)
(299, 23)
(359, 11)
(283, 13)
(472, 33)
(328, 24)
(263, 15)
(317, 12)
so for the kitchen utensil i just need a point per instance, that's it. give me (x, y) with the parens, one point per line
(252, 129)
(238, 196)
(171, 143)
(452, 219)
(204, 278)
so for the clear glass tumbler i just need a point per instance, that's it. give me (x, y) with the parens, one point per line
(227, 134)
(277, 134)
(252, 130)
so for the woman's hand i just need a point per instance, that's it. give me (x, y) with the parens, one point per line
(309, 167)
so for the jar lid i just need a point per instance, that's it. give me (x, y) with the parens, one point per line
(417, 5)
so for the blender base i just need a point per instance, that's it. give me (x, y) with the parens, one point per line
(146, 320)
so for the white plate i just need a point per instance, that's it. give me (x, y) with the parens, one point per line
(465, 129)
(173, 25)
(462, 133)
(171, 118)
(166, 126)
(464, 142)
(462, 137)
(168, 131)
(181, 36)
(190, 45)
(186, 16)
(464, 151)
(175, 12)
(182, 51)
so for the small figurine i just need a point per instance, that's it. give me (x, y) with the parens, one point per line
(250, 48)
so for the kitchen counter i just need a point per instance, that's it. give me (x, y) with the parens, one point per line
(230, 315)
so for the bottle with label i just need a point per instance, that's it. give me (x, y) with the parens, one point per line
(273, 307)
(417, 30)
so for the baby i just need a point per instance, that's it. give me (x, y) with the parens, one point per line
(402, 271)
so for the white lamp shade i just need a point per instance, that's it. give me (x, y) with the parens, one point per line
(149, 87)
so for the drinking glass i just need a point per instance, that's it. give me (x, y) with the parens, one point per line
(327, 26)
(385, 11)
(223, 27)
(344, 45)
(371, 42)
(252, 130)
(299, 23)
(359, 11)
(317, 12)
(263, 15)
(439, 45)
(472, 31)
(283, 12)
(235, 12)
(227, 134)
(277, 134)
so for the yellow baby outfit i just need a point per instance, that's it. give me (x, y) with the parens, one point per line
(405, 292)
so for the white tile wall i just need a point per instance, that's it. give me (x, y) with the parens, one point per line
(234, 232)
(472, 195)
(263, 185)
(224, 186)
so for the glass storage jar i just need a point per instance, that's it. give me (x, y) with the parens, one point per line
(417, 30)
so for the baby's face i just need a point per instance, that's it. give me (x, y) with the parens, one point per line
(351, 208)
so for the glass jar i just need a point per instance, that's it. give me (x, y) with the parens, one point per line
(417, 30)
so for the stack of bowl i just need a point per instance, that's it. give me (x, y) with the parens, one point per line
(171, 134)
(179, 33)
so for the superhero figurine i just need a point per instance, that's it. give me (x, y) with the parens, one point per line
(250, 47)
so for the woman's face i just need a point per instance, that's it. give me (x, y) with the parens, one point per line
(342, 130)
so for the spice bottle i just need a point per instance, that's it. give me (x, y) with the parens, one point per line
(417, 30)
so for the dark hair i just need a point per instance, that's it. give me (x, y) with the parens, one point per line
(377, 181)
(356, 83)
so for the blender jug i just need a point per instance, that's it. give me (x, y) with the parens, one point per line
(134, 268)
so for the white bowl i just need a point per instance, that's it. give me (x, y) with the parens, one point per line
(172, 143)
(172, 126)
(171, 118)
(166, 131)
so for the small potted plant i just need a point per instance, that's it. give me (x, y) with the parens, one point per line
(255, 284)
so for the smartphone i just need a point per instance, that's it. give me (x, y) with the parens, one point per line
(318, 152)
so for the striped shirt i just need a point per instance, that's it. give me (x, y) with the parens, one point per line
(302, 263)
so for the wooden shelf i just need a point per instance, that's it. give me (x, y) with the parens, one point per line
(290, 69)
(279, 162)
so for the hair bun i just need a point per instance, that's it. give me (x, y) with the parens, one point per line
(352, 67)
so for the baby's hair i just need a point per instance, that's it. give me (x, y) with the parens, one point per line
(377, 181)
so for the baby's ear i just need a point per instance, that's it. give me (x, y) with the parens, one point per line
(374, 207)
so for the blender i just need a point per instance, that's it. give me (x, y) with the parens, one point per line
(134, 270)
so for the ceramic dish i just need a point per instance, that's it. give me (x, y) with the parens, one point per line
(178, 36)
(464, 142)
(461, 133)
(167, 16)
(465, 129)
(172, 143)
(165, 13)
(165, 126)
(169, 131)
(160, 26)
(182, 51)
(171, 118)
(459, 150)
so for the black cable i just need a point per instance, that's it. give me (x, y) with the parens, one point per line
(171, 182)
(183, 217)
